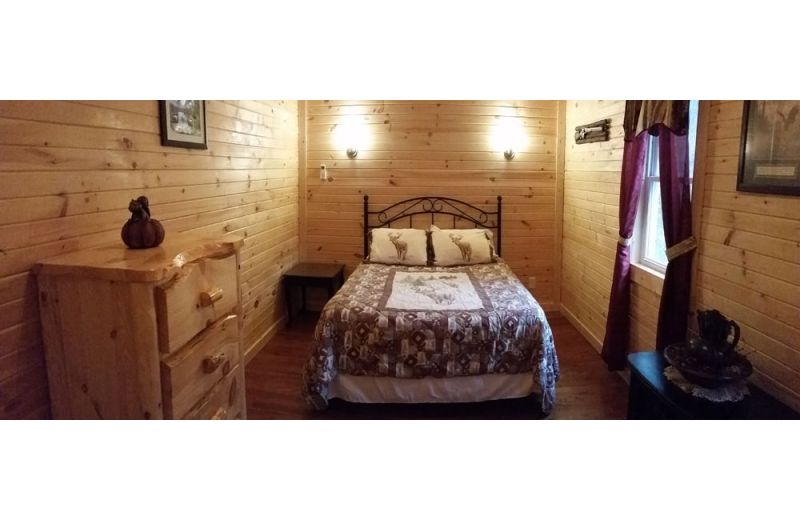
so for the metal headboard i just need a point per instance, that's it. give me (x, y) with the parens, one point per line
(434, 206)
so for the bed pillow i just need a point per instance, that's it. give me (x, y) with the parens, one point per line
(398, 246)
(461, 246)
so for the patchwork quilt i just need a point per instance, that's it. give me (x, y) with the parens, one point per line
(415, 322)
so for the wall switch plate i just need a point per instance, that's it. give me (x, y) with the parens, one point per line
(323, 172)
(531, 282)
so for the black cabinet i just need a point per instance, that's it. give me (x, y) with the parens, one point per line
(652, 396)
(304, 275)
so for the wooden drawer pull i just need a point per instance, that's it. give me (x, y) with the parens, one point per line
(210, 296)
(220, 414)
(211, 363)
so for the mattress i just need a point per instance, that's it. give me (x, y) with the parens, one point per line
(408, 322)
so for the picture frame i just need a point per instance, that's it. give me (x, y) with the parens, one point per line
(769, 155)
(183, 123)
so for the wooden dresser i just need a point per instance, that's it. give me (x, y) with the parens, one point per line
(144, 334)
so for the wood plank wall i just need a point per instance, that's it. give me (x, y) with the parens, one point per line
(443, 148)
(591, 226)
(591, 192)
(749, 260)
(68, 171)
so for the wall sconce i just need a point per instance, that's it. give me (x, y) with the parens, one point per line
(508, 135)
(352, 135)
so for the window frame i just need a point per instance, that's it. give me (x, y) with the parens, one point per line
(652, 175)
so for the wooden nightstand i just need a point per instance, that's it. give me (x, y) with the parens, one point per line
(303, 275)
(651, 396)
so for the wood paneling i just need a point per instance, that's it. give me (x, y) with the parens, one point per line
(68, 171)
(444, 148)
(591, 227)
(645, 300)
(749, 260)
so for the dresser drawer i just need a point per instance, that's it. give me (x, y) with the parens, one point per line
(190, 373)
(224, 401)
(203, 292)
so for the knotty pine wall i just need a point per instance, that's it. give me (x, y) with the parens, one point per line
(440, 148)
(68, 171)
(749, 260)
(591, 226)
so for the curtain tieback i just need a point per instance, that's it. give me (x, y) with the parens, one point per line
(624, 241)
(681, 248)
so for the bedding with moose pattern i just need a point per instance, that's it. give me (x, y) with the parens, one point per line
(416, 322)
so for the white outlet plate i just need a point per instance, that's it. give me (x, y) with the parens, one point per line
(532, 282)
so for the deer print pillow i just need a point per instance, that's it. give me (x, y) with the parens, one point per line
(461, 246)
(399, 246)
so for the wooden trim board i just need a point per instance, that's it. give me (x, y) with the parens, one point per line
(559, 238)
(586, 333)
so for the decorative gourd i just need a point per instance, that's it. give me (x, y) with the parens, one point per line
(141, 231)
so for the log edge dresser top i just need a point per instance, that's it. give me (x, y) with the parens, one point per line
(120, 263)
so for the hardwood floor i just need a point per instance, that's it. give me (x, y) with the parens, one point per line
(586, 390)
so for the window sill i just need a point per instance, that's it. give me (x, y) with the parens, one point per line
(648, 278)
(647, 270)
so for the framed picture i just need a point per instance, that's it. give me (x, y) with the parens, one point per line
(769, 156)
(183, 123)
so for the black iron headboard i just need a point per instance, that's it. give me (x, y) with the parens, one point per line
(434, 206)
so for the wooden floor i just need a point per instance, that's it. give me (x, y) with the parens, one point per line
(586, 390)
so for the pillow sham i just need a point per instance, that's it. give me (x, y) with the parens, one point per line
(461, 246)
(398, 246)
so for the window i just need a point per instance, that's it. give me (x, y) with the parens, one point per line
(649, 233)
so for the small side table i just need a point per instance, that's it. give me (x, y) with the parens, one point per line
(303, 275)
(652, 396)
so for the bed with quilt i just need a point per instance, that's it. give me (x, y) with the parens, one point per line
(432, 316)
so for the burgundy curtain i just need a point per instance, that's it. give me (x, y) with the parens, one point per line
(669, 120)
(673, 313)
(615, 344)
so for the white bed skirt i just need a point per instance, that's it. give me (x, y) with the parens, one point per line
(464, 389)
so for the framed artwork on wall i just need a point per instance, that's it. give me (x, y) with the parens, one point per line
(769, 155)
(183, 123)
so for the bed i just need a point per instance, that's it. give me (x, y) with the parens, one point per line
(427, 334)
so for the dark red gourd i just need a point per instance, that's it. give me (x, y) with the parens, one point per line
(141, 231)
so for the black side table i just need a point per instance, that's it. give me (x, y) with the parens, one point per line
(652, 396)
(303, 275)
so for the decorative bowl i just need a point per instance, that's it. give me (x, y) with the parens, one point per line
(699, 370)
